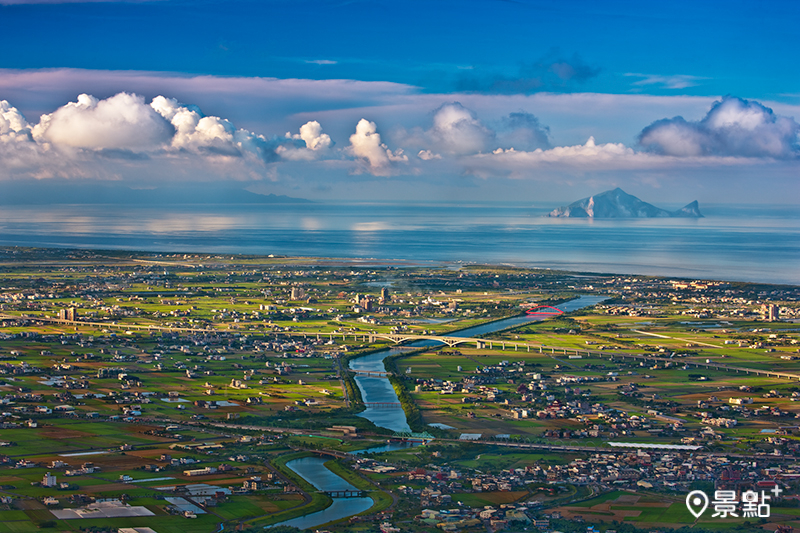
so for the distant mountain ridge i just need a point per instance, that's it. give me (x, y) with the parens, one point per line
(616, 203)
(47, 192)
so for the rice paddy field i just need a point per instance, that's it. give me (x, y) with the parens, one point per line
(178, 363)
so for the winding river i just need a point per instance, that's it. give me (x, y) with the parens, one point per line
(312, 469)
(379, 389)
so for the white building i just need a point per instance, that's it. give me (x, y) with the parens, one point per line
(49, 480)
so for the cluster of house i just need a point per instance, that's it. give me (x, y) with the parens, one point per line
(705, 299)
(637, 469)
(738, 406)
(719, 422)
(663, 469)
(26, 295)
(50, 480)
(18, 369)
(496, 518)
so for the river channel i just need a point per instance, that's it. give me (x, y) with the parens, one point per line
(313, 470)
(379, 389)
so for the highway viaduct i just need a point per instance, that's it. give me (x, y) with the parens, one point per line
(449, 340)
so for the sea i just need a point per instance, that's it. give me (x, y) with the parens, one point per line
(732, 242)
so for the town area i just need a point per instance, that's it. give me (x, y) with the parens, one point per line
(204, 393)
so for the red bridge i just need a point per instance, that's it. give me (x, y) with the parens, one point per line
(544, 310)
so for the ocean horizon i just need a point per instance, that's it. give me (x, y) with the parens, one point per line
(758, 243)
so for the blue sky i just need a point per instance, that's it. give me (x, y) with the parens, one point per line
(731, 47)
(455, 97)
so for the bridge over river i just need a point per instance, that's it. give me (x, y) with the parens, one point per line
(555, 350)
(370, 373)
(345, 493)
(449, 340)
(382, 405)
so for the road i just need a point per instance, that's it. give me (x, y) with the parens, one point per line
(688, 341)
(446, 339)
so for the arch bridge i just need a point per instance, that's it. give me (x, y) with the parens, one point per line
(454, 341)
(444, 339)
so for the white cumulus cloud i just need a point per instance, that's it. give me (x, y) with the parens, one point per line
(123, 135)
(314, 143)
(123, 121)
(733, 127)
(456, 130)
(12, 123)
(311, 133)
(209, 134)
(366, 144)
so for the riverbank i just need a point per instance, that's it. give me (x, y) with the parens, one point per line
(314, 500)
(392, 389)
(320, 480)
(382, 500)
(353, 390)
(393, 404)
(412, 412)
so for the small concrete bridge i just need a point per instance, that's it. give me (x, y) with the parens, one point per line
(330, 453)
(410, 436)
(371, 373)
(346, 493)
(382, 405)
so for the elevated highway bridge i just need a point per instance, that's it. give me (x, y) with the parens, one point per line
(449, 340)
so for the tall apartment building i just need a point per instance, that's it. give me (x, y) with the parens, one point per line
(68, 314)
